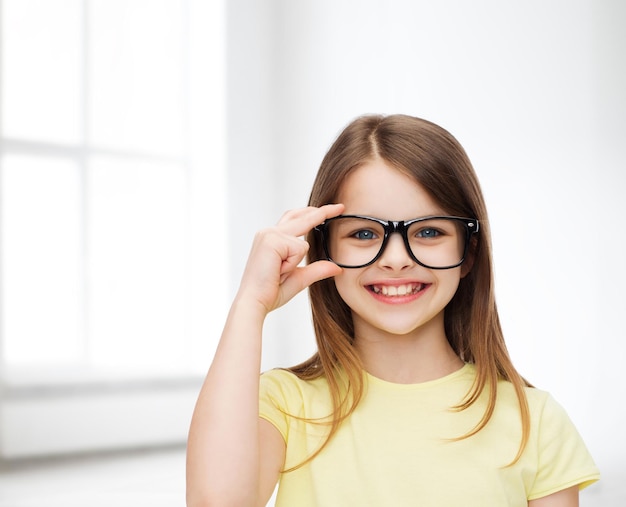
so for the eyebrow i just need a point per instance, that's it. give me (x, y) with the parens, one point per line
(432, 215)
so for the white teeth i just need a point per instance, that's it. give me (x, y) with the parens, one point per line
(400, 290)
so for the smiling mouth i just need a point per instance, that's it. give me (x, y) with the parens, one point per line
(398, 290)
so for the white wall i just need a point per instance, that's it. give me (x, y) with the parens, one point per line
(534, 91)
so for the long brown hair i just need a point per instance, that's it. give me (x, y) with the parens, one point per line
(434, 159)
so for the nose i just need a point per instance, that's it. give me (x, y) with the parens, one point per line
(395, 255)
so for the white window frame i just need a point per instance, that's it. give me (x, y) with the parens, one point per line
(56, 413)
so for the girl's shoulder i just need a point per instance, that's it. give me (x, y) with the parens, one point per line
(287, 400)
(285, 376)
(543, 407)
(282, 384)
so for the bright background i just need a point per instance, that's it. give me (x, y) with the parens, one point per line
(143, 143)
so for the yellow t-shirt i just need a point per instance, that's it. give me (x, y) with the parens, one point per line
(396, 450)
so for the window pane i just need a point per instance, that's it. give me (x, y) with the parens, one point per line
(41, 261)
(137, 263)
(136, 75)
(41, 69)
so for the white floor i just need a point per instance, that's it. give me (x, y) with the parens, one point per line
(154, 478)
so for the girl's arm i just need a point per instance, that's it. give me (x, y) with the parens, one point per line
(565, 498)
(233, 457)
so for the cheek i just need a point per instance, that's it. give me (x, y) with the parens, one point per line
(450, 284)
(347, 286)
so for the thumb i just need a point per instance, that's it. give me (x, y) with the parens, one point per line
(302, 277)
(319, 270)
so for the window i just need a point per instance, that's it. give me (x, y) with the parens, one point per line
(111, 188)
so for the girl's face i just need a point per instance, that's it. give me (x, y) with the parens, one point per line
(394, 295)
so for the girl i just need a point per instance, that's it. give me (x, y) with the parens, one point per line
(411, 398)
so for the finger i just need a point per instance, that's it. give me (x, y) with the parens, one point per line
(299, 222)
(314, 215)
(300, 212)
(295, 251)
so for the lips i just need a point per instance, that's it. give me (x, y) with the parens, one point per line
(397, 290)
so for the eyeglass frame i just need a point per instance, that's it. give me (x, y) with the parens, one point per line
(390, 227)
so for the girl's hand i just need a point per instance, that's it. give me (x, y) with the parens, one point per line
(273, 275)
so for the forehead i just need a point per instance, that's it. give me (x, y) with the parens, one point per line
(379, 190)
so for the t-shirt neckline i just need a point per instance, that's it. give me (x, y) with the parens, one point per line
(466, 368)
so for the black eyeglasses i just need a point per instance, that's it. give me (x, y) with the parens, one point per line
(435, 242)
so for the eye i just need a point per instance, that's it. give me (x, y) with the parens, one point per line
(428, 232)
(364, 234)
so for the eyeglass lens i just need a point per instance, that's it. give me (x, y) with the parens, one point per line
(436, 243)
